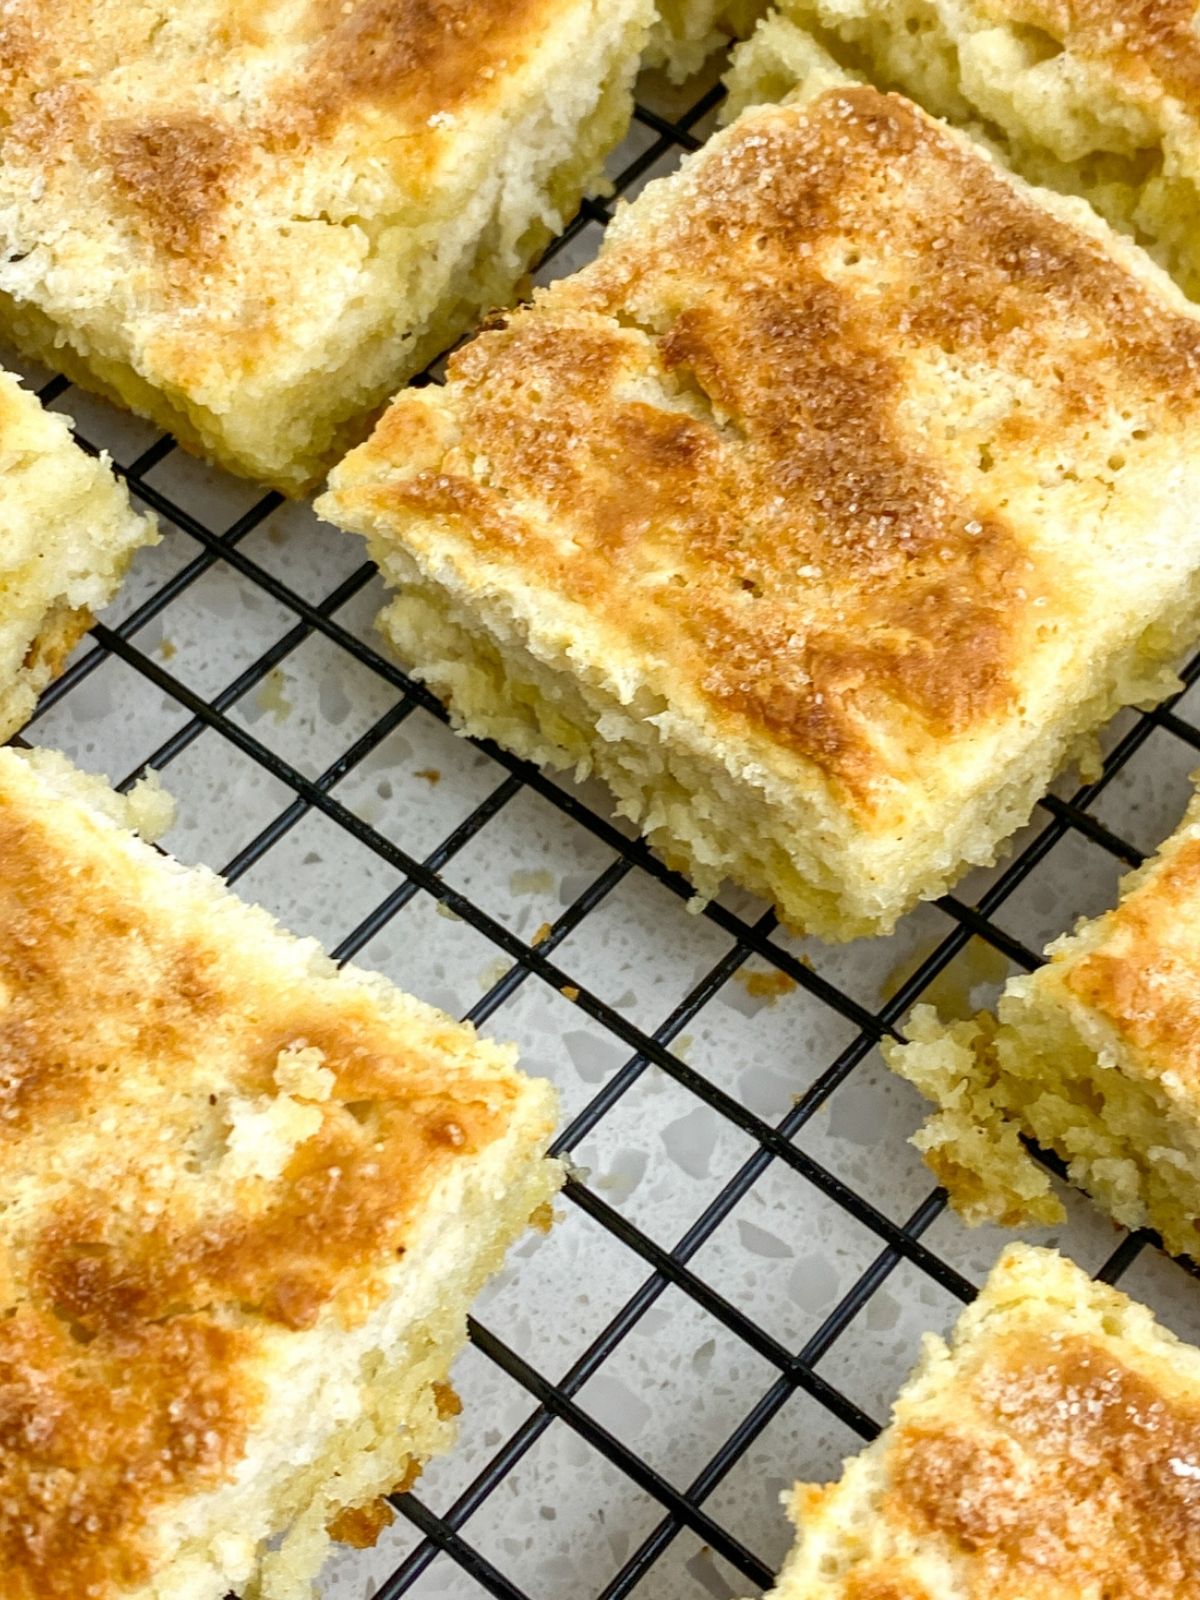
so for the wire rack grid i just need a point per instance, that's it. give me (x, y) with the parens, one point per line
(749, 1250)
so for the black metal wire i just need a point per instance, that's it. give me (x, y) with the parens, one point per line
(665, 1267)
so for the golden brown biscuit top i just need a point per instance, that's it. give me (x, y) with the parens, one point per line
(1052, 1468)
(202, 1139)
(813, 433)
(1152, 44)
(184, 117)
(879, 1586)
(1143, 975)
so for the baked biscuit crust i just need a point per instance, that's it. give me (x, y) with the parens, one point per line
(211, 1143)
(254, 221)
(826, 455)
(917, 599)
(1053, 1450)
(1140, 971)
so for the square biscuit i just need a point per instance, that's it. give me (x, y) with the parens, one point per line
(1089, 97)
(67, 534)
(251, 223)
(1096, 1056)
(248, 1199)
(1052, 1452)
(821, 517)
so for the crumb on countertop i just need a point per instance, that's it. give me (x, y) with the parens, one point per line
(769, 986)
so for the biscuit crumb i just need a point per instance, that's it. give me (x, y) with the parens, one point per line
(299, 1071)
(769, 986)
(446, 1400)
(360, 1526)
(265, 1134)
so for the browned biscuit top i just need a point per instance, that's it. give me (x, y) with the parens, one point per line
(1152, 44)
(813, 433)
(1143, 975)
(205, 1142)
(1069, 1473)
(185, 125)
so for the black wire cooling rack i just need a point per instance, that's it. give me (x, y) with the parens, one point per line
(683, 1542)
